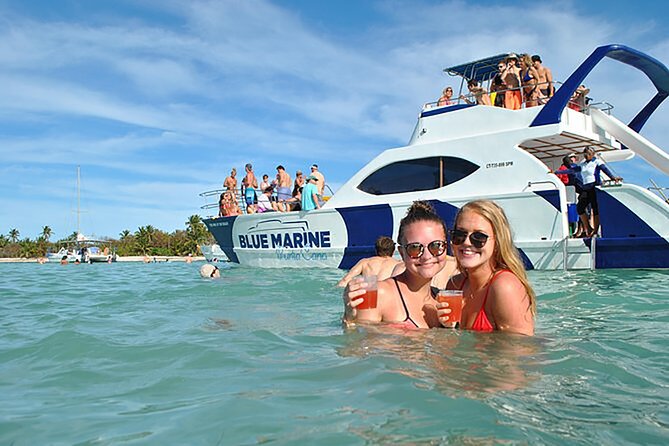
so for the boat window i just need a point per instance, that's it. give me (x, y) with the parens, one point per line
(417, 174)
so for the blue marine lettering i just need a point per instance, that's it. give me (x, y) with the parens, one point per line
(313, 239)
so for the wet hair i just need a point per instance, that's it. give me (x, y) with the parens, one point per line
(419, 211)
(385, 246)
(505, 255)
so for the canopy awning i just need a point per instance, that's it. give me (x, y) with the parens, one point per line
(481, 70)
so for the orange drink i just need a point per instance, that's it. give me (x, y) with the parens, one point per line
(454, 300)
(371, 292)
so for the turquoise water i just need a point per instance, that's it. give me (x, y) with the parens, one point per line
(134, 353)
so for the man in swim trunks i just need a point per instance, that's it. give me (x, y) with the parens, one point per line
(544, 79)
(250, 182)
(381, 265)
(283, 190)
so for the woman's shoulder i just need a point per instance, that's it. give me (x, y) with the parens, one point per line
(507, 285)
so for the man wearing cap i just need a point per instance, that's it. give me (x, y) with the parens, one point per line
(310, 194)
(545, 78)
(319, 176)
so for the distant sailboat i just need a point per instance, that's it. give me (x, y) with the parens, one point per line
(82, 248)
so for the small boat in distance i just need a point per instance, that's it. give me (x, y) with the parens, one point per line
(465, 151)
(81, 248)
(213, 253)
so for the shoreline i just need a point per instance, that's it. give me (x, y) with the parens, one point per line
(153, 259)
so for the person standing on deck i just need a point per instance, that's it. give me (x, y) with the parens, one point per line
(283, 190)
(230, 182)
(544, 79)
(310, 194)
(250, 183)
(319, 176)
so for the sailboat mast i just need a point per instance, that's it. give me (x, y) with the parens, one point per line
(78, 200)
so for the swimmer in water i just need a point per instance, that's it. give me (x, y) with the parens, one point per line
(210, 271)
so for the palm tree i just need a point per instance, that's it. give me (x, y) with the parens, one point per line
(124, 234)
(46, 233)
(196, 230)
(14, 235)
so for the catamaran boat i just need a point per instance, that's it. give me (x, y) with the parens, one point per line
(84, 250)
(462, 152)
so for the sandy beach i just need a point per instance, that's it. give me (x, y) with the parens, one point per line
(119, 259)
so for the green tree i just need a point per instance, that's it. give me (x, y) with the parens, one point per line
(46, 233)
(14, 235)
(125, 234)
(196, 232)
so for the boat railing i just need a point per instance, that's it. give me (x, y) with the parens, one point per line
(241, 202)
(471, 99)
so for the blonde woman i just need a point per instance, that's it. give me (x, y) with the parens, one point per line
(497, 293)
(529, 78)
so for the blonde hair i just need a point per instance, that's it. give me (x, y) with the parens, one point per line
(527, 60)
(505, 255)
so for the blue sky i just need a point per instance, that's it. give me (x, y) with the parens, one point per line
(157, 100)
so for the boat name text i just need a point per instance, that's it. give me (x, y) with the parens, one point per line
(315, 239)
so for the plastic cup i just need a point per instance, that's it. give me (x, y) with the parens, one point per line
(454, 300)
(370, 296)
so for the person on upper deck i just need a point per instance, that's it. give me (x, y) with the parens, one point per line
(497, 294)
(264, 184)
(579, 99)
(529, 79)
(479, 93)
(590, 172)
(445, 98)
(497, 85)
(511, 74)
(544, 79)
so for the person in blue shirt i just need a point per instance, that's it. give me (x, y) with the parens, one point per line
(310, 194)
(589, 173)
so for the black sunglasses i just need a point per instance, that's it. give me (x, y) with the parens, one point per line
(478, 239)
(415, 250)
(213, 271)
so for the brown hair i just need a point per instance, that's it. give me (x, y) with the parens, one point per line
(505, 256)
(385, 246)
(419, 211)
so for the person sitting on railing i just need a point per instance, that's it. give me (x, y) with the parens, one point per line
(445, 98)
(545, 78)
(478, 92)
(528, 77)
(264, 204)
(497, 85)
(511, 74)
(579, 100)
(292, 204)
(227, 205)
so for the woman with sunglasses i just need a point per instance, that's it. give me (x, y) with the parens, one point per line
(497, 294)
(406, 300)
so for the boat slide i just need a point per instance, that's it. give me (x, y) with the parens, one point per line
(635, 142)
